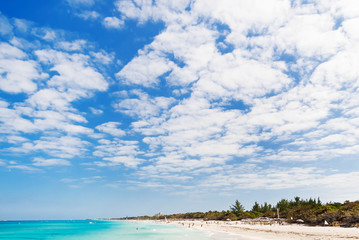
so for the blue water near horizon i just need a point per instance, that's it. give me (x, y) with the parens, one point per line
(95, 230)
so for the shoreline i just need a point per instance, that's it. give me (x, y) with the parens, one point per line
(238, 230)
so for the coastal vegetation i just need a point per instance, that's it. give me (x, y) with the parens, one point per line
(307, 211)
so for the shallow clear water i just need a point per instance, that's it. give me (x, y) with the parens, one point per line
(98, 230)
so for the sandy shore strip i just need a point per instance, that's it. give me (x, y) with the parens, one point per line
(239, 231)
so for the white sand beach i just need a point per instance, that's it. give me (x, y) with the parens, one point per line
(239, 231)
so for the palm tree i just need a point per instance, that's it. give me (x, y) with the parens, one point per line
(237, 208)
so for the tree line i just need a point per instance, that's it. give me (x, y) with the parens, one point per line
(310, 211)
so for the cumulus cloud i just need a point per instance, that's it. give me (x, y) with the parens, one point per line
(13, 122)
(301, 36)
(229, 95)
(52, 80)
(145, 70)
(50, 98)
(144, 106)
(118, 152)
(17, 73)
(258, 82)
(76, 45)
(16, 139)
(60, 147)
(111, 128)
(103, 57)
(149, 10)
(74, 71)
(113, 22)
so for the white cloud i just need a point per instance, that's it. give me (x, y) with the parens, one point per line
(103, 57)
(260, 87)
(16, 139)
(307, 35)
(230, 179)
(349, 27)
(128, 161)
(144, 70)
(118, 152)
(144, 106)
(12, 121)
(342, 9)
(81, 2)
(77, 45)
(253, 178)
(48, 110)
(2, 163)
(113, 22)
(96, 111)
(74, 72)
(22, 43)
(83, 180)
(244, 16)
(107, 148)
(193, 46)
(68, 180)
(4, 104)
(17, 73)
(51, 99)
(22, 25)
(310, 178)
(93, 179)
(24, 168)
(41, 162)
(5, 27)
(88, 15)
(111, 128)
(338, 71)
(153, 10)
(48, 106)
(269, 98)
(8, 51)
(240, 79)
(61, 147)
(49, 35)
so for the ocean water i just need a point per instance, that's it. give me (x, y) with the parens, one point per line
(95, 230)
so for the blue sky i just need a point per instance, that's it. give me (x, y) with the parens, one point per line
(130, 107)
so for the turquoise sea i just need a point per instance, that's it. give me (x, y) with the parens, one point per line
(95, 230)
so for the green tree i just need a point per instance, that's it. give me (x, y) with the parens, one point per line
(237, 208)
(256, 207)
(265, 208)
(283, 205)
(230, 215)
(319, 203)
